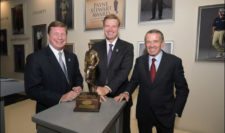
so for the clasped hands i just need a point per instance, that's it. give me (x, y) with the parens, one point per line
(71, 95)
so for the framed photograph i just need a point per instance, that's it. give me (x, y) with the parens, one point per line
(64, 12)
(69, 47)
(3, 42)
(39, 36)
(93, 41)
(156, 10)
(210, 43)
(168, 47)
(19, 58)
(17, 19)
(96, 10)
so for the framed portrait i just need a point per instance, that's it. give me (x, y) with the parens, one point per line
(17, 19)
(19, 58)
(64, 12)
(156, 10)
(69, 47)
(168, 47)
(96, 10)
(93, 41)
(39, 36)
(211, 43)
(3, 42)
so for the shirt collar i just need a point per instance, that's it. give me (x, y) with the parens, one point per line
(113, 43)
(55, 51)
(158, 57)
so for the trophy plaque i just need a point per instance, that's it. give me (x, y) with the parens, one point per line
(89, 101)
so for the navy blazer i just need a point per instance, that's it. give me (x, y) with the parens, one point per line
(45, 81)
(160, 96)
(115, 75)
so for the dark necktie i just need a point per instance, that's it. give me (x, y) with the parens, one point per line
(109, 53)
(153, 70)
(63, 66)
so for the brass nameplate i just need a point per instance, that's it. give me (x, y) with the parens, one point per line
(87, 102)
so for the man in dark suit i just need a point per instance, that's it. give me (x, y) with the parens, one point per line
(158, 103)
(116, 60)
(157, 4)
(52, 74)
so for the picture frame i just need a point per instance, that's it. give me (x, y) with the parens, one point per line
(19, 57)
(39, 36)
(96, 10)
(3, 42)
(205, 50)
(150, 11)
(93, 41)
(17, 19)
(64, 12)
(168, 47)
(69, 47)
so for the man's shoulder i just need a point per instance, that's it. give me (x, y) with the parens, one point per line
(171, 57)
(98, 44)
(126, 43)
(38, 54)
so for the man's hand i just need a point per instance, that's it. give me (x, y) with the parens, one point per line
(77, 89)
(102, 92)
(69, 96)
(124, 95)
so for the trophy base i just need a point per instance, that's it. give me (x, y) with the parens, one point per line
(87, 102)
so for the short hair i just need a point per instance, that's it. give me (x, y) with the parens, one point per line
(222, 10)
(56, 24)
(157, 32)
(111, 16)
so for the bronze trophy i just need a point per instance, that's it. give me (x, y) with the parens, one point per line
(89, 101)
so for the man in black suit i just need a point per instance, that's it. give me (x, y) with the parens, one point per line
(157, 4)
(158, 103)
(52, 74)
(116, 60)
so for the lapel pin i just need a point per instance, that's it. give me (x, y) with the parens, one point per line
(69, 60)
(117, 50)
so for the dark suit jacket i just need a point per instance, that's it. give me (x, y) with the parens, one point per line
(116, 74)
(158, 97)
(45, 81)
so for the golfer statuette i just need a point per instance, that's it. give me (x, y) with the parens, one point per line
(89, 101)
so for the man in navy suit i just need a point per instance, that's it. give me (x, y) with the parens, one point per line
(116, 60)
(46, 80)
(158, 102)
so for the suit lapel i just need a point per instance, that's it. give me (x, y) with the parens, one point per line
(161, 69)
(117, 48)
(68, 64)
(146, 69)
(103, 53)
(53, 60)
(55, 63)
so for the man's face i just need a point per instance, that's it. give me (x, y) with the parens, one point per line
(222, 14)
(57, 37)
(153, 43)
(111, 29)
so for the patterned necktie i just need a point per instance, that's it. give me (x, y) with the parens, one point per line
(153, 70)
(109, 53)
(63, 66)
